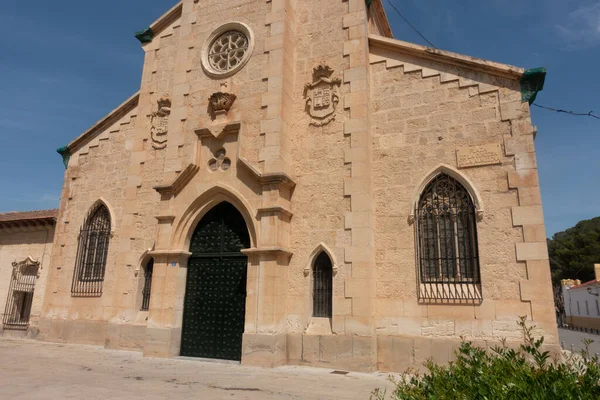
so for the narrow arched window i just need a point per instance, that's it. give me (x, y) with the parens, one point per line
(447, 233)
(322, 286)
(146, 290)
(92, 250)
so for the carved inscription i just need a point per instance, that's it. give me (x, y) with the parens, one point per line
(479, 155)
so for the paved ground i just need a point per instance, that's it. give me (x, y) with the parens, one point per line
(576, 339)
(36, 370)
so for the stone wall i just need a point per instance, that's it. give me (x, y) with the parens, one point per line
(16, 246)
(346, 187)
(423, 112)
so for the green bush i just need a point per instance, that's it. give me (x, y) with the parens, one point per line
(503, 373)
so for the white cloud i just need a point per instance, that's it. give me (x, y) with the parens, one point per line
(582, 27)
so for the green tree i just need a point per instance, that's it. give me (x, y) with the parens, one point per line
(574, 252)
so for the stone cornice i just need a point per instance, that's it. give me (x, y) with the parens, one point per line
(379, 12)
(180, 182)
(148, 34)
(31, 225)
(268, 250)
(105, 122)
(447, 57)
(268, 178)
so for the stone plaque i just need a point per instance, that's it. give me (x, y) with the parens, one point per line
(486, 154)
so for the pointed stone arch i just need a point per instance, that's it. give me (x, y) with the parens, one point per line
(111, 213)
(186, 225)
(321, 248)
(454, 173)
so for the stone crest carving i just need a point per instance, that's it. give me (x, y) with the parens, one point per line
(322, 96)
(220, 103)
(160, 123)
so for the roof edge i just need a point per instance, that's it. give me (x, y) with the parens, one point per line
(377, 7)
(27, 218)
(118, 112)
(148, 34)
(490, 67)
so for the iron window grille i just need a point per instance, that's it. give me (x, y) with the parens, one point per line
(447, 242)
(20, 295)
(322, 287)
(147, 285)
(92, 251)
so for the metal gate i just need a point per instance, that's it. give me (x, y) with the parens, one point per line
(20, 294)
(215, 298)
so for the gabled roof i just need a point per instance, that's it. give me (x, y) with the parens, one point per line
(105, 122)
(381, 18)
(448, 57)
(146, 35)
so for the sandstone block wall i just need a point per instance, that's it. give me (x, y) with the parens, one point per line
(347, 187)
(422, 113)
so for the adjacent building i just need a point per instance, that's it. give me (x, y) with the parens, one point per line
(25, 251)
(292, 185)
(582, 302)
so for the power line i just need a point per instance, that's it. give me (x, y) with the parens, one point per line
(590, 114)
(411, 25)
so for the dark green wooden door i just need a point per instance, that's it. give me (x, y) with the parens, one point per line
(215, 297)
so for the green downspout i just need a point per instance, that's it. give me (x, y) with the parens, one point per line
(369, 2)
(66, 155)
(145, 36)
(532, 82)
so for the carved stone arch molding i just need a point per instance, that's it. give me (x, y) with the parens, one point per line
(454, 173)
(321, 247)
(185, 226)
(113, 221)
(143, 259)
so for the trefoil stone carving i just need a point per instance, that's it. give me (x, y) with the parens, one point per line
(220, 161)
(220, 103)
(322, 96)
(160, 123)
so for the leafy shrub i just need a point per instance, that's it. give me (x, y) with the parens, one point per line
(503, 374)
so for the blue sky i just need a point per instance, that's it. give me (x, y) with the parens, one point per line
(64, 64)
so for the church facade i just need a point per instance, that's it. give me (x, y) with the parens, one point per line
(291, 185)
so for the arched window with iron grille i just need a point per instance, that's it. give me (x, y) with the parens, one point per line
(147, 289)
(447, 240)
(322, 286)
(92, 251)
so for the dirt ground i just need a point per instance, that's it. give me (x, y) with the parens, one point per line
(35, 370)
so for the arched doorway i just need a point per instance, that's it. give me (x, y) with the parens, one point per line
(215, 296)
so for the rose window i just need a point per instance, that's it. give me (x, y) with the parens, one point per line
(228, 51)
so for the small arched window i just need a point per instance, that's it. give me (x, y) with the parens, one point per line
(322, 286)
(447, 233)
(147, 289)
(92, 251)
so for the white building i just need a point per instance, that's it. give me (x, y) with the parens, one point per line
(582, 302)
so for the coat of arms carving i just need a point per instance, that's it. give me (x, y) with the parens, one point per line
(322, 96)
(160, 123)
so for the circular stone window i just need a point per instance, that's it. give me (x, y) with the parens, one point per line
(227, 50)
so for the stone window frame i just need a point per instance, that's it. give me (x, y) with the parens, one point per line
(316, 324)
(448, 292)
(83, 285)
(230, 26)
